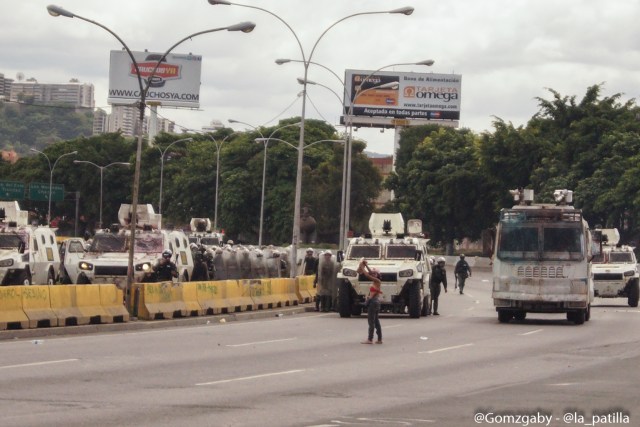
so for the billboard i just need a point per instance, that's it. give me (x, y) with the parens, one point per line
(176, 82)
(403, 95)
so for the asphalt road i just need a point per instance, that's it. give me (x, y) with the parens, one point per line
(309, 369)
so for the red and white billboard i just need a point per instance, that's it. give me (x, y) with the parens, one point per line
(413, 96)
(175, 83)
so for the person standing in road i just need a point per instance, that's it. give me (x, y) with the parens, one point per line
(438, 276)
(165, 269)
(373, 301)
(310, 268)
(462, 271)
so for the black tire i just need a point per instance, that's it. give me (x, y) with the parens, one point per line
(415, 301)
(345, 302)
(83, 280)
(51, 278)
(504, 316)
(185, 276)
(24, 278)
(579, 317)
(634, 293)
(426, 306)
(520, 315)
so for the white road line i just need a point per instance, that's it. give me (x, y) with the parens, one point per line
(535, 331)
(50, 362)
(260, 342)
(272, 374)
(455, 347)
(393, 326)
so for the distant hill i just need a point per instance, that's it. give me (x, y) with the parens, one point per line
(25, 126)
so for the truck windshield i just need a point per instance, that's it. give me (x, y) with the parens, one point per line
(210, 241)
(401, 251)
(108, 243)
(621, 257)
(540, 242)
(366, 251)
(149, 243)
(10, 241)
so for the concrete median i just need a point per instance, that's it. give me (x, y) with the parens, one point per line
(36, 303)
(64, 304)
(160, 301)
(11, 314)
(305, 290)
(211, 297)
(111, 299)
(237, 297)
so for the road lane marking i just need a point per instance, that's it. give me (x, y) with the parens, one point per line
(260, 342)
(50, 362)
(393, 326)
(455, 347)
(535, 331)
(253, 377)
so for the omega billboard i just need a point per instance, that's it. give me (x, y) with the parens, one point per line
(176, 82)
(414, 96)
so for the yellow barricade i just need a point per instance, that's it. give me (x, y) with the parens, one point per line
(89, 304)
(161, 300)
(190, 298)
(305, 290)
(236, 296)
(11, 313)
(286, 291)
(111, 299)
(36, 304)
(211, 297)
(261, 293)
(65, 306)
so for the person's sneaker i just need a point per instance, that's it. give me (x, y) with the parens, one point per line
(379, 342)
(367, 342)
(435, 313)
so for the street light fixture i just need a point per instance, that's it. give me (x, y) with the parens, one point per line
(102, 168)
(218, 148)
(244, 27)
(265, 141)
(162, 153)
(306, 62)
(51, 168)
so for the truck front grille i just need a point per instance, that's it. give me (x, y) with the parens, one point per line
(540, 272)
(110, 270)
(607, 276)
(386, 277)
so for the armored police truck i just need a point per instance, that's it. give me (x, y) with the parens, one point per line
(541, 259)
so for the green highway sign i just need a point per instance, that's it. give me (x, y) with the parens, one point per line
(10, 190)
(39, 191)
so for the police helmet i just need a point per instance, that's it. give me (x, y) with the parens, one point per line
(167, 253)
(441, 260)
(461, 256)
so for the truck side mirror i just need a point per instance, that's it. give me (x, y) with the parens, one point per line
(340, 256)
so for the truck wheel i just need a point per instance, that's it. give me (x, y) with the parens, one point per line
(24, 278)
(504, 316)
(344, 299)
(83, 280)
(634, 293)
(579, 317)
(51, 278)
(520, 315)
(426, 306)
(415, 301)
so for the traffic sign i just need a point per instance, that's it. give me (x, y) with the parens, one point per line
(39, 191)
(10, 190)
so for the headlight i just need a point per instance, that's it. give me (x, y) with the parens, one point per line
(349, 272)
(629, 273)
(6, 263)
(405, 273)
(143, 267)
(85, 266)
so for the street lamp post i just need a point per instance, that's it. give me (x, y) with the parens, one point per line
(244, 27)
(218, 148)
(407, 10)
(102, 168)
(51, 168)
(162, 153)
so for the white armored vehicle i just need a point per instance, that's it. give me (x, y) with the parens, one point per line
(541, 259)
(28, 255)
(614, 269)
(202, 235)
(106, 258)
(402, 261)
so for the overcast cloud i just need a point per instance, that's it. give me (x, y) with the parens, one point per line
(507, 51)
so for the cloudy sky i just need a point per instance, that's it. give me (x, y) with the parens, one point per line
(507, 51)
